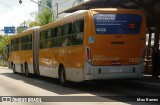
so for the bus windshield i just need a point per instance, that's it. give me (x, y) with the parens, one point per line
(117, 23)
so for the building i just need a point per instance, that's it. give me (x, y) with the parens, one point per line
(61, 5)
(47, 3)
(58, 6)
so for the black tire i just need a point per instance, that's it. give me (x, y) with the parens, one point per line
(26, 71)
(62, 77)
(14, 69)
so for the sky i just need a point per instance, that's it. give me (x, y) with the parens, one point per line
(13, 14)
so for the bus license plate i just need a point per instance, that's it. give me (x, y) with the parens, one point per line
(115, 70)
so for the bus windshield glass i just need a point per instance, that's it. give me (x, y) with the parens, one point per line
(117, 23)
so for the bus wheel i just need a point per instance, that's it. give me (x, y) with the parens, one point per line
(62, 77)
(26, 70)
(14, 69)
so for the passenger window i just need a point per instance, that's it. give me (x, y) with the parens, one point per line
(26, 42)
(49, 34)
(78, 28)
(46, 38)
(59, 31)
(67, 29)
(29, 43)
(57, 40)
(49, 41)
(43, 35)
(55, 32)
(77, 39)
(16, 44)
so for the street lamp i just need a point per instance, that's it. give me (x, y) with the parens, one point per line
(20, 1)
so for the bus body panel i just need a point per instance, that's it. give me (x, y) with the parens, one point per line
(76, 59)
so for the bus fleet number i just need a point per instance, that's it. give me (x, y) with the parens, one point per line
(134, 59)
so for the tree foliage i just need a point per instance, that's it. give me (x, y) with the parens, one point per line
(40, 19)
(45, 17)
(3, 44)
(33, 23)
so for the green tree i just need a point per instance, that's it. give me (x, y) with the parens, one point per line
(45, 17)
(19, 30)
(3, 44)
(40, 19)
(33, 23)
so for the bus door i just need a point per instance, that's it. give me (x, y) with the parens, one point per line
(66, 50)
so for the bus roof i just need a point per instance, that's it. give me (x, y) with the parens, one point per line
(25, 32)
(81, 13)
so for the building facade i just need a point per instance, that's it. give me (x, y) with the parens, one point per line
(58, 6)
(47, 3)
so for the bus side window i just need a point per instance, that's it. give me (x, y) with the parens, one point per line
(67, 31)
(16, 46)
(78, 28)
(22, 41)
(49, 38)
(25, 43)
(58, 36)
(81, 24)
(29, 43)
(49, 34)
(43, 37)
(59, 31)
(54, 32)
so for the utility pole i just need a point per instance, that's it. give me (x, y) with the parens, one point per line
(57, 9)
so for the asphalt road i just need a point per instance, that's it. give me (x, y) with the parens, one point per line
(47, 91)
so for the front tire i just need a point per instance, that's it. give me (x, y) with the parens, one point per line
(62, 77)
(14, 69)
(26, 71)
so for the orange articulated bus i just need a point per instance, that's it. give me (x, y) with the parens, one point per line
(96, 44)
